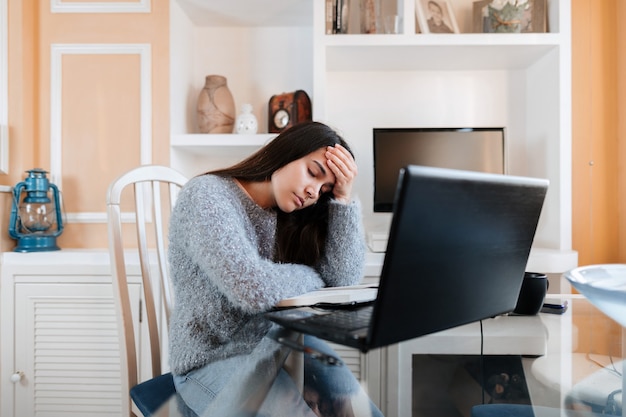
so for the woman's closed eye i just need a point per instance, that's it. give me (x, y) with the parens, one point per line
(325, 188)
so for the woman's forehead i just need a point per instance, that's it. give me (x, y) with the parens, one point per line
(318, 157)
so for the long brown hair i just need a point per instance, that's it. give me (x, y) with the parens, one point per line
(301, 235)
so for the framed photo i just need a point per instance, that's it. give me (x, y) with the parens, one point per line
(534, 20)
(435, 16)
(538, 18)
(480, 22)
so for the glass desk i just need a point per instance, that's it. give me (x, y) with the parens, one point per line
(573, 360)
(570, 361)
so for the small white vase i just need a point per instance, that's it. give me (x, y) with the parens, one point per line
(246, 122)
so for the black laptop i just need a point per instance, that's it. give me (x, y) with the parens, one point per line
(457, 251)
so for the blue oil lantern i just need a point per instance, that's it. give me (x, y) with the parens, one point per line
(36, 218)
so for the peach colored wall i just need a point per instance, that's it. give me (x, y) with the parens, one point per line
(621, 126)
(99, 103)
(598, 182)
(595, 144)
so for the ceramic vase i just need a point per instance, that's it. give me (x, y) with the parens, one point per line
(246, 122)
(216, 106)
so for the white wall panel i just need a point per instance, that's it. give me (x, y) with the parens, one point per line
(139, 6)
(56, 109)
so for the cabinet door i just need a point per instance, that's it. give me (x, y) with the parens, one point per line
(66, 345)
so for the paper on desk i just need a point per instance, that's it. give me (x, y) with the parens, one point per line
(335, 295)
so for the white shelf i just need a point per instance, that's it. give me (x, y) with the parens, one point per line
(463, 39)
(552, 261)
(544, 260)
(202, 144)
(437, 52)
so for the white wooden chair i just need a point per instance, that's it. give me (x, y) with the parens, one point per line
(153, 190)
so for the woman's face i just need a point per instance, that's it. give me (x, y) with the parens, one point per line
(300, 183)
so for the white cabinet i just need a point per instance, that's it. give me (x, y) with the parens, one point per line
(60, 353)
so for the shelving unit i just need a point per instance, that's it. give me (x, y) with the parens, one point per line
(262, 52)
(359, 82)
(519, 81)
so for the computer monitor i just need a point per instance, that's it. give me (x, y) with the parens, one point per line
(469, 149)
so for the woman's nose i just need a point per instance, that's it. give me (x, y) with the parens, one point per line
(311, 194)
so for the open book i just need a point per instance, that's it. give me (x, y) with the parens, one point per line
(333, 295)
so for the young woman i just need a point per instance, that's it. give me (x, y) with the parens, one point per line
(278, 224)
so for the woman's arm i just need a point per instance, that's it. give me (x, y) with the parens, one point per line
(344, 257)
(212, 230)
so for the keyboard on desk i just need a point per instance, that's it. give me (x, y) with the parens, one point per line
(347, 320)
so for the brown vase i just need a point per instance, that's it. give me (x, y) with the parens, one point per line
(216, 106)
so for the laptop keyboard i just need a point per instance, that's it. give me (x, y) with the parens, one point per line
(343, 319)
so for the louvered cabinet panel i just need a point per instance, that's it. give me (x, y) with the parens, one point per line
(66, 345)
(351, 358)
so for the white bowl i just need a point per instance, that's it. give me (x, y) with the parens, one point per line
(604, 286)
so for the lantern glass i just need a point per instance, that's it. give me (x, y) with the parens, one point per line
(37, 217)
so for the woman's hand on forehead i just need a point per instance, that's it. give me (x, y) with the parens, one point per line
(343, 166)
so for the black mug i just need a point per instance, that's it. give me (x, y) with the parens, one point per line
(532, 293)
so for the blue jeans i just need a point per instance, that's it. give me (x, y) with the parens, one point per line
(333, 390)
(257, 384)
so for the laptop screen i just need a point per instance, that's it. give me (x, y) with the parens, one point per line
(457, 250)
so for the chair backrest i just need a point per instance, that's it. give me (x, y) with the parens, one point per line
(146, 207)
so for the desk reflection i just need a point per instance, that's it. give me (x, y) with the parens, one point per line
(277, 379)
(580, 368)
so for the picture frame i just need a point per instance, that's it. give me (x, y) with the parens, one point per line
(479, 21)
(435, 16)
(535, 20)
(539, 18)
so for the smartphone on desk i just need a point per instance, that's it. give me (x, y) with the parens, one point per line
(554, 306)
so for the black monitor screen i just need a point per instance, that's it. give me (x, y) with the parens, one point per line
(470, 149)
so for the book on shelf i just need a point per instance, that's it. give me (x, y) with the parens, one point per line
(330, 17)
(369, 16)
(336, 16)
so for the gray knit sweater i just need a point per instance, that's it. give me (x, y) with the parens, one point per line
(221, 246)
